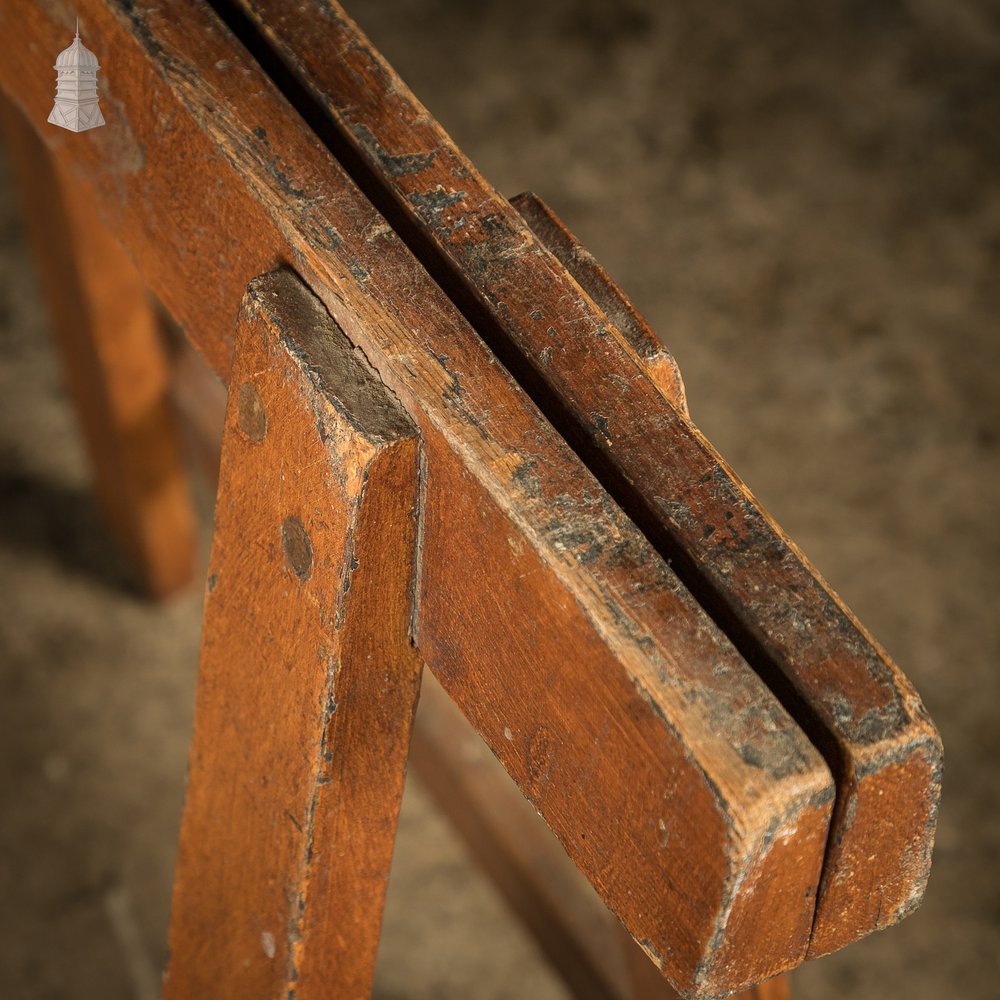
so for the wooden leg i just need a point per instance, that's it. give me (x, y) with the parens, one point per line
(308, 681)
(108, 337)
(516, 851)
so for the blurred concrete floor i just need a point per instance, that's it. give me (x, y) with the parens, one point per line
(805, 202)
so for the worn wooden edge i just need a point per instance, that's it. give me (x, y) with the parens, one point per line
(513, 847)
(884, 750)
(340, 372)
(647, 984)
(576, 365)
(871, 776)
(203, 101)
(553, 743)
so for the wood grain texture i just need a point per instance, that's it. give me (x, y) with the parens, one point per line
(668, 771)
(889, 776)
(659, 364)
(545, 689)
(108, 337)
(646, 983)
(574, 931)
(499, 828)
(307, 682)
(510, 843)
(603, 391)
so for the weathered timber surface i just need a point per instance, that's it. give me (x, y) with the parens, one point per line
(646, 983)
(671, 775)
(307, 682)
(499, 827)
(507, 839)
(595, 384)
(605, 292)
(108, 338)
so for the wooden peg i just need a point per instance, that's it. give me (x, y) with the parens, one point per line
(606, 294)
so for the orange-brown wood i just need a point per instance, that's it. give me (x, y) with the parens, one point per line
(605, 293)
(307, 681)
(646, 983)
(773, 989)
(595, 383)
(902, 766)
(500, 829)
(108, 336)
(510, 654)
(645, 980)
(671, 775)
(513, 847)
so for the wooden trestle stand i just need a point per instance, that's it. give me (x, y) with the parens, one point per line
(450, 440)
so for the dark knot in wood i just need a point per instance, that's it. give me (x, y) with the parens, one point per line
(298, 548)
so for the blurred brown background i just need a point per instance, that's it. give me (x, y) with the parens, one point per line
(804, 200)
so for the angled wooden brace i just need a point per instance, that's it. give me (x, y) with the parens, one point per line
(307, 682)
